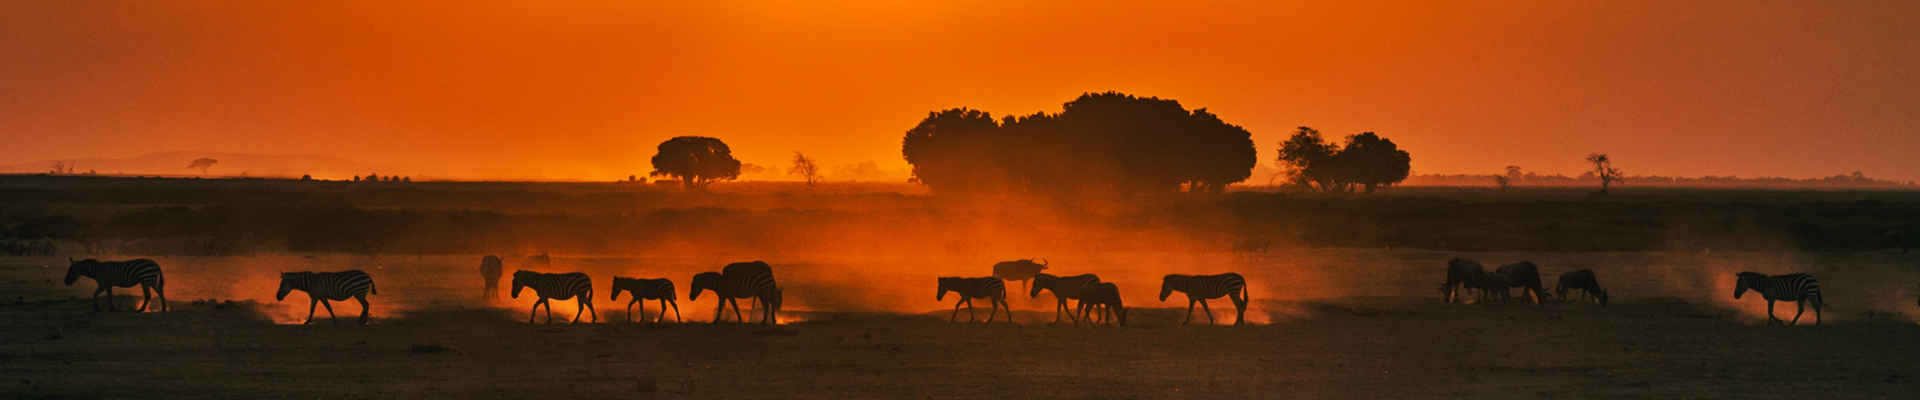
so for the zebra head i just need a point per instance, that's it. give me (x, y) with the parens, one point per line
(520, 281)
(947, 284)
(705, 281)
(1745, 281)
(286, 285)
(618, 283)
(77, 269)
(1171, 282)
(1041, 281)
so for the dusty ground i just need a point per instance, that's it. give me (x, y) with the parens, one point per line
(1330, 324)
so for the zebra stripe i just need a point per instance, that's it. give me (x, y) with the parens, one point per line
(647, 289)
(1200, 288)
(741, 280)
(975, 288)
(111, 274)
(322, 287)
(1064, 288)
(1798, 288)
(556, 287)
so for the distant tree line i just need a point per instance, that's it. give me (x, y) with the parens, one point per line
(1100, 143)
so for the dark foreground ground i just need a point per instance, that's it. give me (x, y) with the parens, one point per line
(1356, 346)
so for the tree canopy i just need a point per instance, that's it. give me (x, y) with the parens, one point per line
(695, 160)
(1367, 161)
(1100, 142)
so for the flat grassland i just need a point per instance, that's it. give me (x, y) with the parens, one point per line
(1328, 323)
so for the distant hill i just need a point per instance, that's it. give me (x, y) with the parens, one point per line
(174, 163)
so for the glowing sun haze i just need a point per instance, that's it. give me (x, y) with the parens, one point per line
(585, 90)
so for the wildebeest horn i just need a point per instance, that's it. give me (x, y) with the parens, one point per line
(1043, 262)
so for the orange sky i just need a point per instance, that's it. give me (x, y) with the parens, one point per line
(584, 90)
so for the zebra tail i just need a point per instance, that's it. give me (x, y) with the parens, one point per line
(372, 288)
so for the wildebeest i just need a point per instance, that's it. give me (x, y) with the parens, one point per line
(1586, 282)
(1526, 276)
(42, 247)
(1492, 286)
(1460, 272)
(490, 270)
(1105, 295)
(1019, 270)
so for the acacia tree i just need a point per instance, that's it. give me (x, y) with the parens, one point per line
(203, 164)
(695, 160)
(1603, 169)
(1367, 160)
(806, 168)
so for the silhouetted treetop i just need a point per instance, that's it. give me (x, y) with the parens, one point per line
(695, 160)
(1367, 160)
(1100, 142)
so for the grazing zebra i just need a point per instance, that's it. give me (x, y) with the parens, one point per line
(41, 247)
(557, 287)
(1460, 274)
(1586, 282)
(1019, 270)
(1526, 276)
(1797, 288)
(322, 287)
(741, 280)
(992, 288)
(1199, 288)
(110, 274)
(1064, 288)
(490, 268)
(1105, 295)
(647, 289)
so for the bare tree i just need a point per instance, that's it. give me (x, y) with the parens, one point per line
(203, 164)
(1603, 169)
(806, 168)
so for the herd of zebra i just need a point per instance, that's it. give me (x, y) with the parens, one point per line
(1497, 285)
(754, 280)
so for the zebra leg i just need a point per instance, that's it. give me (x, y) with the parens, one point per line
(1770, 318)
(1240, 308)
(310, 304)
(147, 297)
(592, 314)
(1209, 310)
(1816, 312)
(330, 316)
(643, 310)
(736, 311)
(663, 310)
(366, 309)
(1189, 312)
(579, 307)
(1803, 310)
(162, 291)
(971, 317)
(535, 311)
(956, 310)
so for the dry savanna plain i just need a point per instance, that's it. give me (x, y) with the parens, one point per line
(1324, 323)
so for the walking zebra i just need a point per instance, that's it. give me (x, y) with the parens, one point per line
(322, 287)
(1104, 295)
(490, 268)
(975, 288)
(556, 287)
(741, 280)
(110, 274)
(647, 289)
(1064, 288)
(1797, 288)
(1199, 288)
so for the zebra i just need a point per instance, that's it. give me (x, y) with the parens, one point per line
(557, 287)
(322, 287)
(740, 280)
(1460, 274)
(1585, 281)
(1199, 288)
(1107, 295)
(1064, 288)
(490, 268)
(647, 289)
(975, 288)
(1797, 288)
(110, 274)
